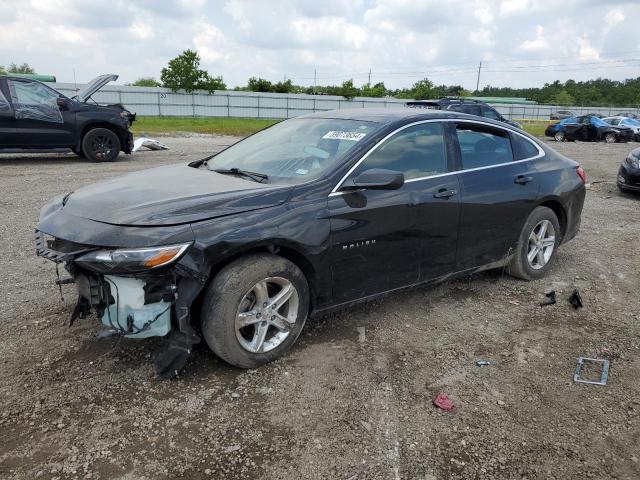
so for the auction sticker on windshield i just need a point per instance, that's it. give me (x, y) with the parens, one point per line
(337, 135)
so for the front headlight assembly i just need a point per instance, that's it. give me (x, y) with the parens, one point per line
(633, 161)
(132, 260)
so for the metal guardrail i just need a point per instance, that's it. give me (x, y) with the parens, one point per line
(151, 101)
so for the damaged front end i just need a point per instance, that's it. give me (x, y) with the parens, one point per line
(135, 292)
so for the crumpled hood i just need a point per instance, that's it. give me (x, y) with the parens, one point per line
(171, 195)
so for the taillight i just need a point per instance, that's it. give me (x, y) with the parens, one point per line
(581, 174)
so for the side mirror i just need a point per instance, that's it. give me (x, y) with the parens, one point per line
(63, 103)
(375, 179)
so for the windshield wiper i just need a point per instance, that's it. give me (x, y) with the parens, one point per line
(256, 177)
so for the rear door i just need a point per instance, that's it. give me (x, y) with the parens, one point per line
(385, 239)
(39, 120)
(7, 119)
(499, 187)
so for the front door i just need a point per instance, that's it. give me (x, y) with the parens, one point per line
(39, 120)
(7, 119)
(498, 190)
(380, 238)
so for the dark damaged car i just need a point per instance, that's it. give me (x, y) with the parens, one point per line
(308, 216)
(588, 128)
(629, 173)
(36, 118)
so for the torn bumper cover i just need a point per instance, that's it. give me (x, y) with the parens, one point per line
(136, 293)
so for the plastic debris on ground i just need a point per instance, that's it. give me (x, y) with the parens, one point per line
(149, 143)
(483, 363)
(551, 299)
(584, 362)
(443, 402)
(575, 299)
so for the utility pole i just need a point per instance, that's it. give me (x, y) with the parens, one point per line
(478, 81)
(369, 82)
(314, 81)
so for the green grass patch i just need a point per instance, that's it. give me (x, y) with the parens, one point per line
(535, 129)
(214, 125)
(242, 127)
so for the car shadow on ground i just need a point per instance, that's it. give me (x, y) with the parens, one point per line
(119, 355)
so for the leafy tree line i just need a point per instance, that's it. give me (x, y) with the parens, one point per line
(184, 73)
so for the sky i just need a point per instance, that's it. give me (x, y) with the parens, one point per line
(521, 43)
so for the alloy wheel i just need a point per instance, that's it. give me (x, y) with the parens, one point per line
(102, 145)
(266, 314)
(542, 242)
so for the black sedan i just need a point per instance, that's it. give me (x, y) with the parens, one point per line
(308, 216)
(629, 172)
(588, 128)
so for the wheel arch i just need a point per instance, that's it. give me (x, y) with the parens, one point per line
(282, 249)
(558, 208)
(100, 124)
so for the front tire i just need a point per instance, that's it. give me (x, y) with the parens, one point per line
(101, 145)
(559, 136)
(610, 138)
(255, 309)
(537, 245)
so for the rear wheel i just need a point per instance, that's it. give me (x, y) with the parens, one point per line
(610, 138)
(537, 245)
(101, 145)
(255, 309)
(559, 136)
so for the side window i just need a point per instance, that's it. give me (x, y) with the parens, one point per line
(417, 151)
(490, 113)
(5, 108)
(472, 110)
(32, 100)
(482, 147)
(523, 148)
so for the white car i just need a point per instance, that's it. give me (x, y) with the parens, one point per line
(632, 123)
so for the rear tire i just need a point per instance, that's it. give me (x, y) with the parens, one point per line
(101, 145)
(244, 321)
(537, 245)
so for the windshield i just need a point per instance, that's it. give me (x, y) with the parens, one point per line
(294, 151)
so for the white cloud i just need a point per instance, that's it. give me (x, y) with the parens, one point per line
(539, 43)
(140, 30)
(400, 40)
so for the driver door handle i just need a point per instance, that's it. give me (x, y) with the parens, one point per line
(444, 193)
(522, 180)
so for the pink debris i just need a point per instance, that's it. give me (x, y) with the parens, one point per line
(443, 402)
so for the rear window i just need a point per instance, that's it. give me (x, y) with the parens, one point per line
(481, 147)
(523, 148)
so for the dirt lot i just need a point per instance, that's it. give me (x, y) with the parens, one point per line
(342, 405)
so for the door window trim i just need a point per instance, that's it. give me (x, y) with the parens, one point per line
(541, 153)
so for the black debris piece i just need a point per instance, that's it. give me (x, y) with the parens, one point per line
(551, 299)
(575, 299)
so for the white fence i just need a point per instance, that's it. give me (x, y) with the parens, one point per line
(152, 101)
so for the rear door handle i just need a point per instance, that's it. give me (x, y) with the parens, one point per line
(522, 180)
(444, 193)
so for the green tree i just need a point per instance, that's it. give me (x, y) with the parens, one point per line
(2, 70)
(423, 89)
(377, 91)
(563, 98)
(146, 82)
(284, 87)
(183, 72)
(24, 68)
(257, 84)
(348, 90)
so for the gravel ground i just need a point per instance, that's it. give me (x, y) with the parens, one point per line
(353, 400)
